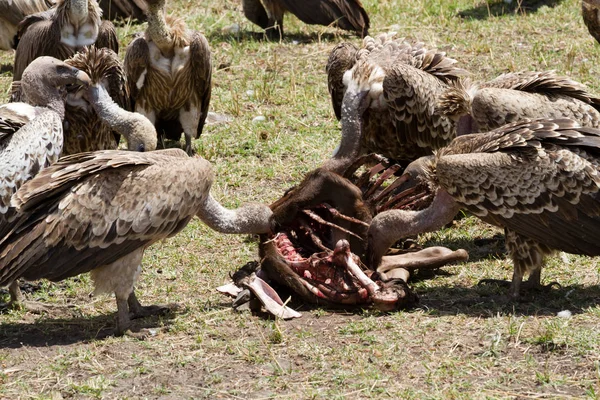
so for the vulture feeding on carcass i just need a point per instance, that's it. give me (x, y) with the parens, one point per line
(99, 211)
(536, 179)
(169, 73)
(404, 82)
(345, 14)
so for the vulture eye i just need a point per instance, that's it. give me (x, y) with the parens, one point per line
(141, 148)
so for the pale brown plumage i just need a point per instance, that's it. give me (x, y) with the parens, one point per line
(345, 14)
(590, 11)
(84, 130)
(515, 96)
(169, 74)
(99, 211)
(537, 179)
(61, 31)
(404, 81)
(12, 12)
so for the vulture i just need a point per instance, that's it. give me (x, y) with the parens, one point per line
(590, 10)
(515, 96)
(537, 179)
(12, 12)
(346, 14)
(169, 71)
(403, 82)
(31, 134)
(61, 31)
(98, 211)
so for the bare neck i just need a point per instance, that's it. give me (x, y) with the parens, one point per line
(158, 31)
(390, 226)
(250, 218)
(78, 12)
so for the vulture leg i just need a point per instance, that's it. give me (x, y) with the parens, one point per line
(189, 122)
(18, 302)
(275, 11)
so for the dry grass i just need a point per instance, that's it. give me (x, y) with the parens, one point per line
(458, 344)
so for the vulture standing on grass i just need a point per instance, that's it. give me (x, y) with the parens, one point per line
(346, 14)
(515, 96)
(62, 31)
(12, 12)
(99, 211)
(31, 134)
(169, 76)
(539, 180)
(403, 82)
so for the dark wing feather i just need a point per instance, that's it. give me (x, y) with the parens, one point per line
(107, 36)
(341, 59)
(137, 60)
(256, 13)
(201, 69)
(347, 14)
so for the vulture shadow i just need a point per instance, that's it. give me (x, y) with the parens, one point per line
(289, 38)
(66, 331)
(498, 8)
(489, 300)
(6, 68)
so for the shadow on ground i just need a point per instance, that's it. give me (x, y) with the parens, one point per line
(289, 38)
(487, 9)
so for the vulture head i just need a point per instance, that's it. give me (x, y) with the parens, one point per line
(46, 78)
(137, 129)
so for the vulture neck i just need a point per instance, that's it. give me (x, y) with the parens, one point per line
(249, 218)
(396, 224)
(134, 127)
(78, 12)
(44, 95)
(353, 106)
(158, 30)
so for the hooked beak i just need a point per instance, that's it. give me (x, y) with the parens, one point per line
(83, 79)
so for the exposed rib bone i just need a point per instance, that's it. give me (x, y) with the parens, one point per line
(330, 224)
(399, 181)
(316, 240)
(376, 158)
(382, 178)
(338, 214)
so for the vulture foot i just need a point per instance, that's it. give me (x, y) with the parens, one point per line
(18, 302)
(136, 310)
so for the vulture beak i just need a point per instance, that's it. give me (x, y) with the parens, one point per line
(82, 79)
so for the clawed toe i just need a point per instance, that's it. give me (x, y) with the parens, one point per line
(159, 310)
(498, 282)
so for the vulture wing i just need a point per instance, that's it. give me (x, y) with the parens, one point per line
(341, 59)
(107, 36)
(539, 178)
(201, 68)
(347, 14)
(137, 60)
(92, 209)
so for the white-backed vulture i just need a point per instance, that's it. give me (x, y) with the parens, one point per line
(515, 96)
(345, 14)
(539, 180)
(99, 211)
(403, 82)
(62, 31)
(169, 76)
(12, 12)
(31, 134)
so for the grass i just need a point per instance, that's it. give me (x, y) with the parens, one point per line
(458, 344)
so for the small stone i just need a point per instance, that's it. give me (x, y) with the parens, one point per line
(233, 28)
(250, 92)
(564, 314)
(259, 118)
